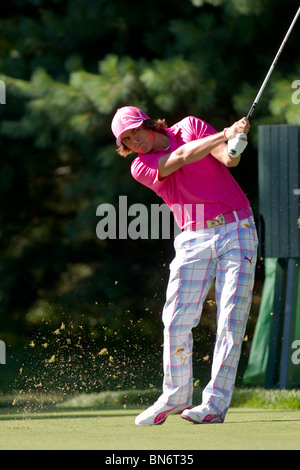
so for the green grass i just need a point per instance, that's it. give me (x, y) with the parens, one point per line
(244, 397)
(258, 419)
(115, 430)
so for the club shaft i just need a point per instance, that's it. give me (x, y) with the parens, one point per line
(273, 65)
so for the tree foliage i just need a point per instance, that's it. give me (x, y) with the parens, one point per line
(67, 66)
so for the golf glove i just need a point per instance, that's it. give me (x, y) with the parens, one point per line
(237, 145)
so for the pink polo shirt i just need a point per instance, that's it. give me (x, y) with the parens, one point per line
(206, 184)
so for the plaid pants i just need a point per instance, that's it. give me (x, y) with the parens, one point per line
(226, 254)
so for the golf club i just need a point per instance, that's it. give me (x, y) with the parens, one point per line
(273, 65)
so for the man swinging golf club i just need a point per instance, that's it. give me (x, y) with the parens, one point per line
(187, 165)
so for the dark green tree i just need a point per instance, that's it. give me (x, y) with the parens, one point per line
(67, 66)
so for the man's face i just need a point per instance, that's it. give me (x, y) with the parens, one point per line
(139, 140)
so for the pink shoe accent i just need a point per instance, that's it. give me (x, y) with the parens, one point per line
(209, 418)
(161, 417)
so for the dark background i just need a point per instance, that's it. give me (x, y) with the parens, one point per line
(78, 313)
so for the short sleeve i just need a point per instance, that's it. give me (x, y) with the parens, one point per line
(193, 128)
(145, 171)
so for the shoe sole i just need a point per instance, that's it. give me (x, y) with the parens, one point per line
(158, 423)
(209, 419)
(152, 424)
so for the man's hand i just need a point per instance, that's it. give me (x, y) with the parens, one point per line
(237, 145)
(240, 127)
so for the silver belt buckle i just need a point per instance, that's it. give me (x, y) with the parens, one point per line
(216, 222)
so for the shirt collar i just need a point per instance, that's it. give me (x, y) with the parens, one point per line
(172, 133)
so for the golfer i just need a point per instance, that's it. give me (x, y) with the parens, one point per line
(187, 165)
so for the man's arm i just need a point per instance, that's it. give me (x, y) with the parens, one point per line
(198, 149)
(188, 153)
(221, 154)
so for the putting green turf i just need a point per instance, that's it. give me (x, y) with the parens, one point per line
(115, 430)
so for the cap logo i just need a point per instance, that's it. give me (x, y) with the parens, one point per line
(129, 119)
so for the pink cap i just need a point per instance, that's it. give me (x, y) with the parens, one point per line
(126, 118)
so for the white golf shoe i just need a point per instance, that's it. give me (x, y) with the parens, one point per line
(157, 414)
(202, 414)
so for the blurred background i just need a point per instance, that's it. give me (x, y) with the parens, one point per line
(77, 313)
